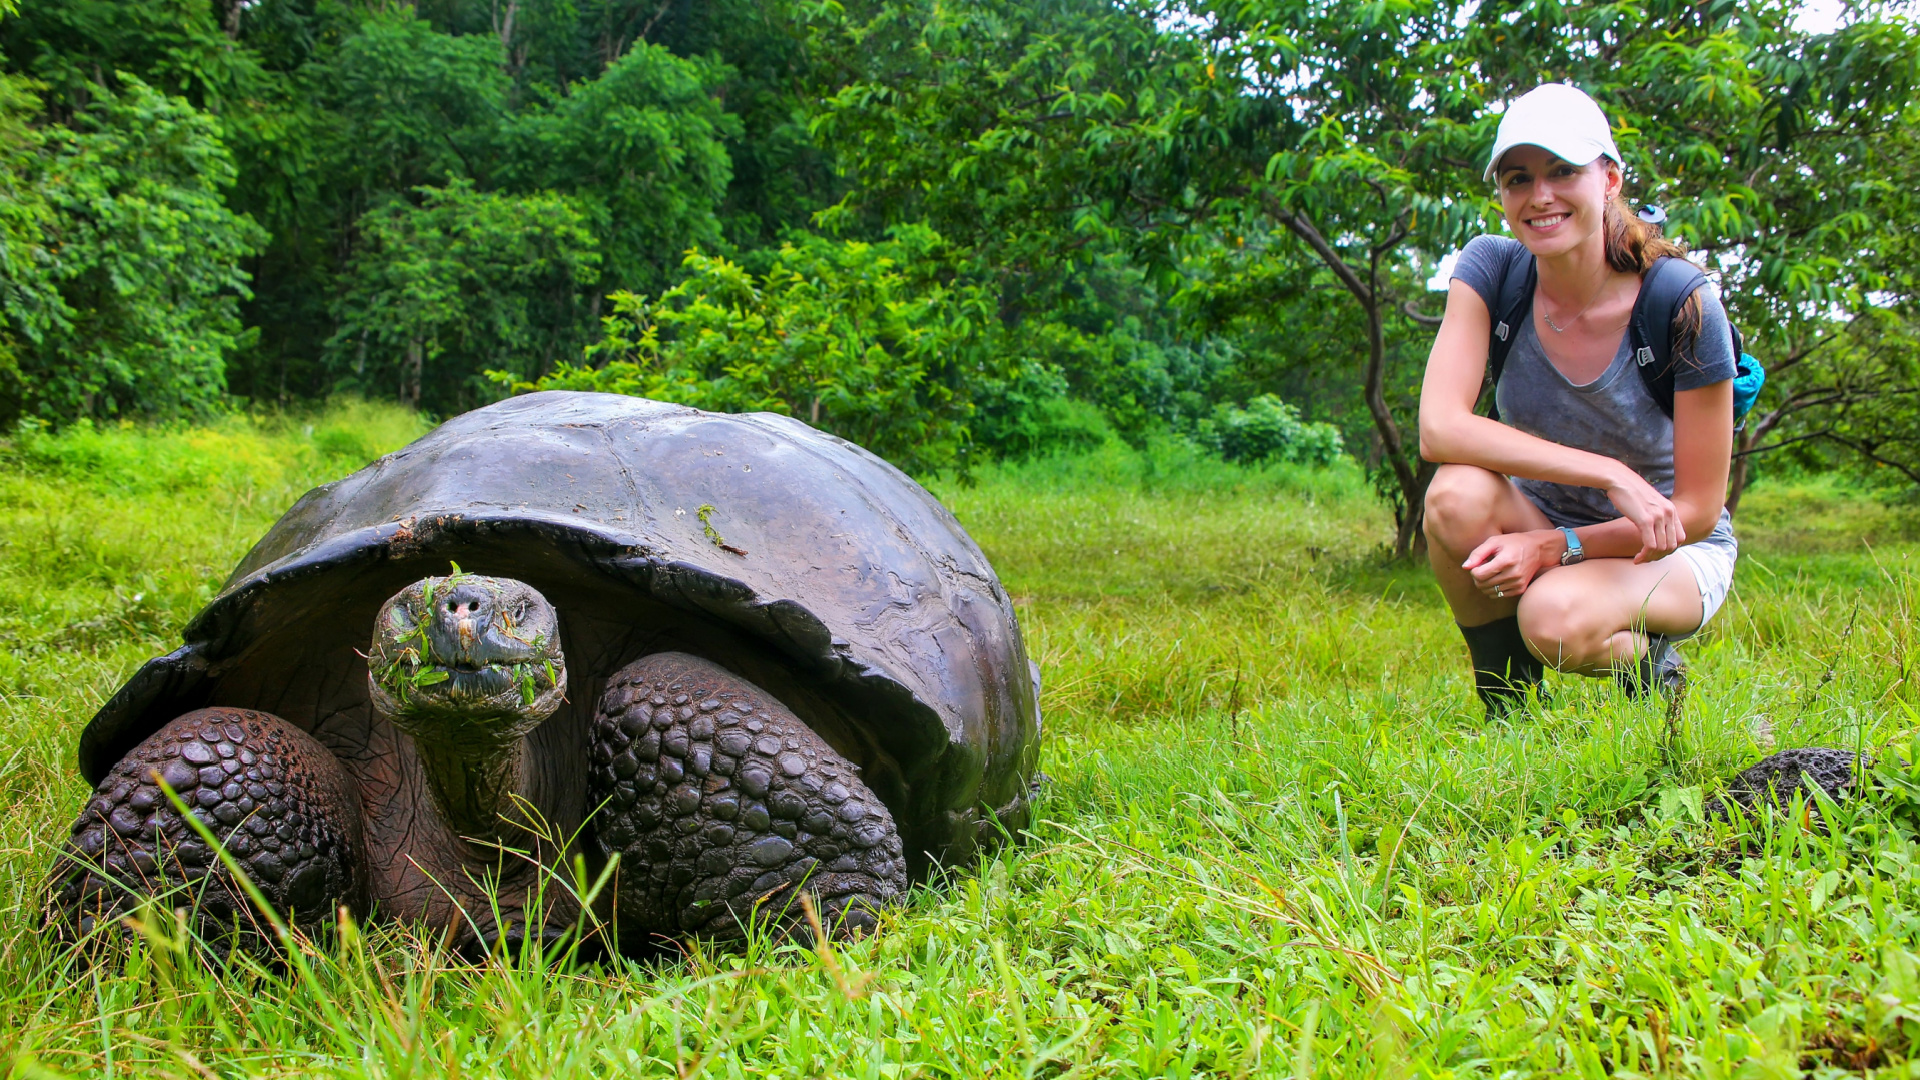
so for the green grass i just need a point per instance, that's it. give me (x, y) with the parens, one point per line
(1278, 839)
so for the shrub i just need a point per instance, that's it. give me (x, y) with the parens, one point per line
(1033, 413)
(120, 263)
(1269, 429)
(872, 342)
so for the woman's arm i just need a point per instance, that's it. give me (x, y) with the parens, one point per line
(1702, 455)
(1451, 432)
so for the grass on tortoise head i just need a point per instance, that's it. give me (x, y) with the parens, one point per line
(1278, 838)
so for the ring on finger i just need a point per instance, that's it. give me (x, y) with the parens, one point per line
(1499, 592)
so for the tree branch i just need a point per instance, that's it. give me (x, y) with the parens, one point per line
(1866, 451)
(1412, 312)
(658, 14)
(1303, 228)
(1823, 433)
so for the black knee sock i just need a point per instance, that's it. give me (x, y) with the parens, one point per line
(1503, 669)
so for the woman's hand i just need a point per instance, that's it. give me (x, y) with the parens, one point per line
(1661, 530)
(1502, 566)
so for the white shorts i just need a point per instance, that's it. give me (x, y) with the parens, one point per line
(1712, 562)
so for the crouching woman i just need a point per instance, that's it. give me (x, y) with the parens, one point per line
(1585, 529)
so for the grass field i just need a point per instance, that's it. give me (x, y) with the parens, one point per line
(1278, 839)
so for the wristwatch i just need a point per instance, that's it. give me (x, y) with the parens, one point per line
(1573, 554)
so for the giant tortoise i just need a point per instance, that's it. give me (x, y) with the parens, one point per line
(749, 659)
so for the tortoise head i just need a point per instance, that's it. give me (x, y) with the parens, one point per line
(467, 660)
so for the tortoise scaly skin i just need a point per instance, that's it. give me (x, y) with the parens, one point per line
(279, 803)
(732, 806)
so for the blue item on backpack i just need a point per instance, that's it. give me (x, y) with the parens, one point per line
(1664, 287)
(1748, 378)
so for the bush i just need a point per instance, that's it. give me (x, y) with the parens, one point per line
(1033, 414)
(120, 263)
(876, 343)
(1269, 429)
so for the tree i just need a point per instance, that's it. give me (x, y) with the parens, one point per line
(1883, 427)
(636, 151)
(413, 106)
(122, 262)
(462, 282)
(29, 301)
(1345, 139)
(641, 150)
(76, 48)
(1827, 284)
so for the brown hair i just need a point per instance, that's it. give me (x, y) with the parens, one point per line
(1632, 247)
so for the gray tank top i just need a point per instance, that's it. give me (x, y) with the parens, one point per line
(1613, 415)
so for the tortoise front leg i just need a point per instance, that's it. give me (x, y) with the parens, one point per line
(274, 797)
(724, 806)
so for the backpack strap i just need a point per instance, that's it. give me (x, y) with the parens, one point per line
(1512, 306)
(1666, 286)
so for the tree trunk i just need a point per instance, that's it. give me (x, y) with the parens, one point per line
(1737, 480)
(1410, 477)
(503, 27)
(1743, 442)
(1408, 537)
(410, 376)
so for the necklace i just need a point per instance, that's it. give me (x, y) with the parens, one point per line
(1557, 328)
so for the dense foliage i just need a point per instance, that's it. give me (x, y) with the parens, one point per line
(946, 231)
(860, 338)
(121, 260)
(459, 283)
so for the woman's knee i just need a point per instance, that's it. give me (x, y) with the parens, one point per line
(1461, 503)
(1558, 623)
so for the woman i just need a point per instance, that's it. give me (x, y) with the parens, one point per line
(1611, 540)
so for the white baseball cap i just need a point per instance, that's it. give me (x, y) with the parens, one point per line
(1560, 118)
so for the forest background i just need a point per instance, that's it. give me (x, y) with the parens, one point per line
(949, 232)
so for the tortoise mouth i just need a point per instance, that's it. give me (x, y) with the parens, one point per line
(514, 685)
(464, 680)
(491, 647)
(468, 666)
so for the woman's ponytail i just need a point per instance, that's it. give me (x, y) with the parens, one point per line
(1632, 246)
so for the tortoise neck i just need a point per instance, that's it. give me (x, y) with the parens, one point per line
(475, 785)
